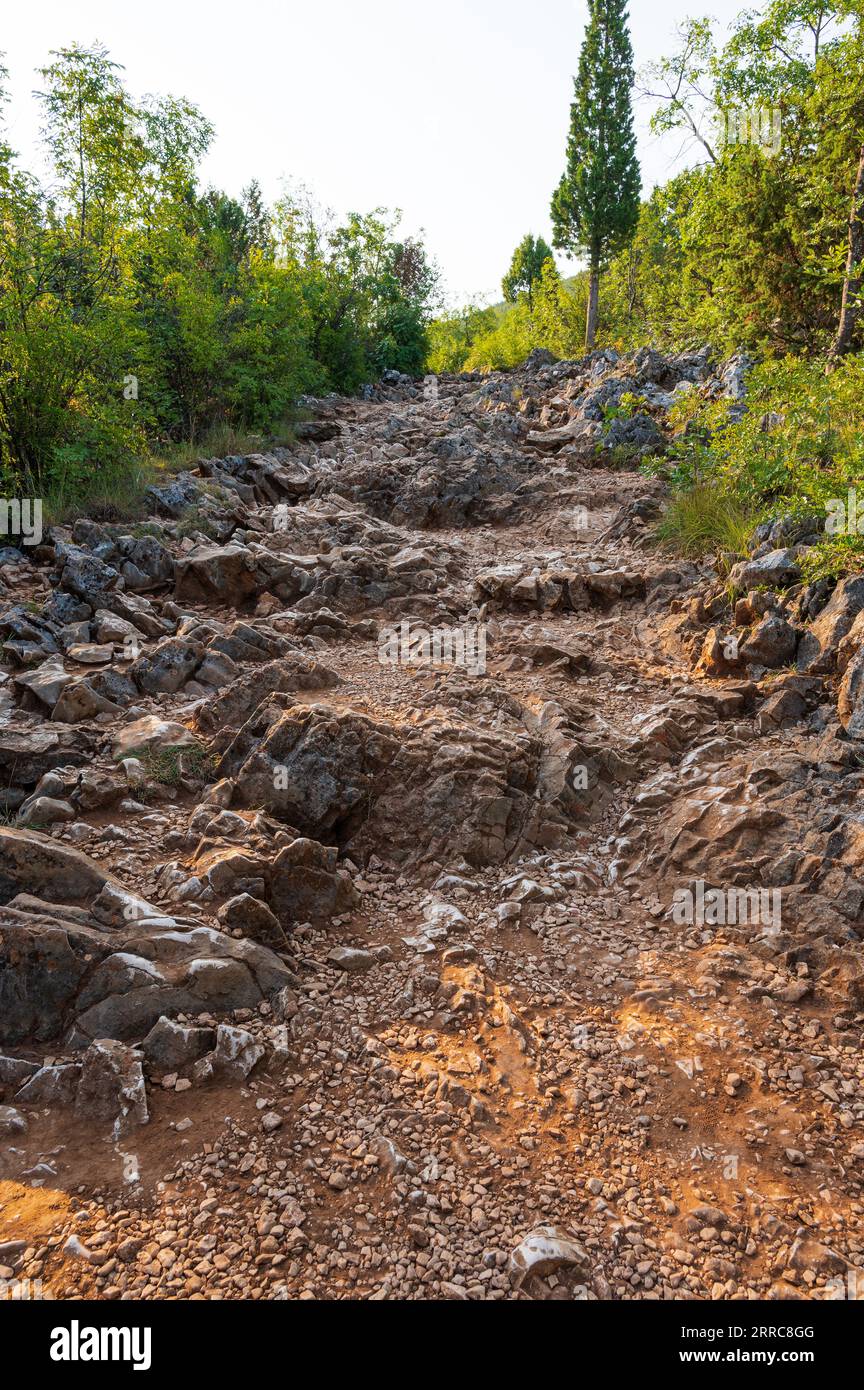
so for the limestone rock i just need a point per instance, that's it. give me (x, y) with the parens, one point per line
(235, 1055)
(217, 574)
(111, 1085)
(11, 1121)
(778, 569)
(546, 1249)
(171, 1046)
(252, 918)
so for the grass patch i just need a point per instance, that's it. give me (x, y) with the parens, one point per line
(833, 557)
(168, 766)
(796, 451)
(704, 520)
(148, 530)
(220, 441)
(117, 492)
(114, 495)
(195, 522)
(623, 456)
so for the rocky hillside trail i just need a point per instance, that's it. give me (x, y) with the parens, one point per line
(352, 802)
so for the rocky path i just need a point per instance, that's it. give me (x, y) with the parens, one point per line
(326, 972)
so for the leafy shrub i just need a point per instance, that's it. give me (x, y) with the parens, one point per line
(797, 449)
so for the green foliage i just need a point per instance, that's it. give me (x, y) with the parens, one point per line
(559, 312)
(799, 441)
(367, 295)
(629, 404)
(452, 336)
(833, 557)
(797, 451)
(526, 269)
(748, 250)
(501, 336)
(506, 343)
(138, 313)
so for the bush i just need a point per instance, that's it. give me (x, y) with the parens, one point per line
(796, 451)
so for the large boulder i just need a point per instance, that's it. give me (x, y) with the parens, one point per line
(584, 435)
(223, 574)
(171, 1046)
(639, 434)
(167, 666)
(250, 917)
(772, 642)
(235, 1055)
(233, 705)
(44, 685)
(85, 576)
(51, 870)
(850, 699)
(27, 754)
(142, 561)
(307, 885)
(546, 1250)
(151, 732)
(408, 790)
(11, 1121)
(53, 1084)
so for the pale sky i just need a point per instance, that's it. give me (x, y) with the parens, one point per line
(455, 112)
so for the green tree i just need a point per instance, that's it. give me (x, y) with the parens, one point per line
(369, 295)
(853, 280)
(67, 333)
(765, 236)
(596, 204)
(526, 268)
(259, 223)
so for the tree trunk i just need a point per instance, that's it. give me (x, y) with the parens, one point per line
(850, 308)
(593, 304)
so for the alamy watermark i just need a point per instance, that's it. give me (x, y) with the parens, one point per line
(21, 517)
(749, 125)
(20, 1290)
(701, 1153)
(719, 907)
(414, 645)
(77, 1343)
(843, 517)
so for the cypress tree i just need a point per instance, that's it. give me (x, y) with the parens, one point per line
(595, 207)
